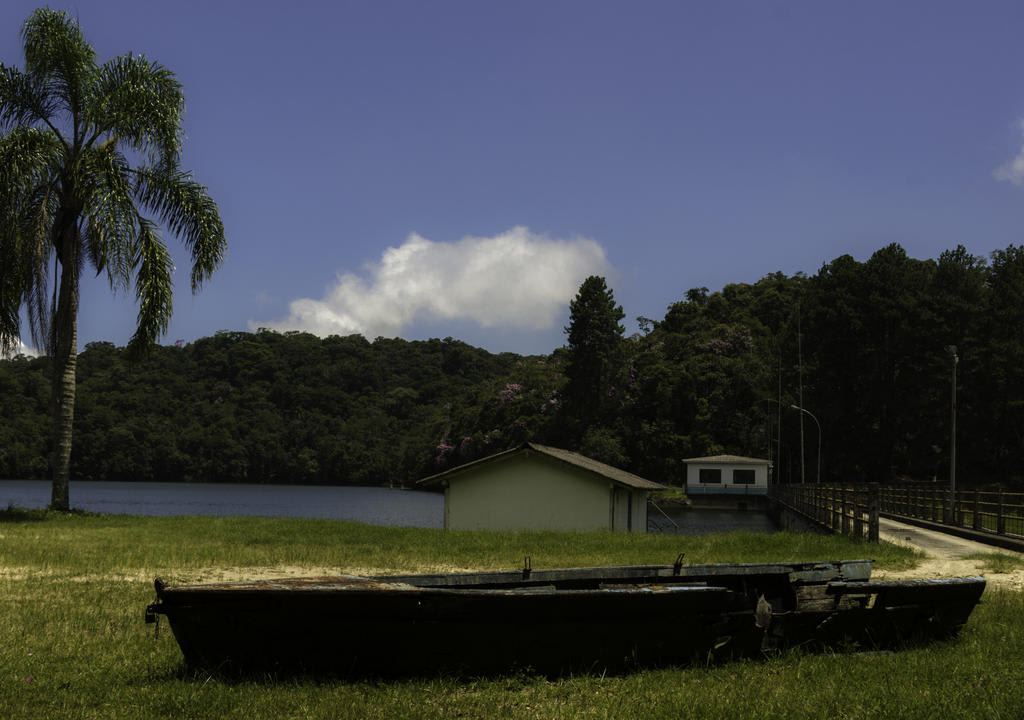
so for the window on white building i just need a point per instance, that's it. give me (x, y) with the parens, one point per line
(709, 475)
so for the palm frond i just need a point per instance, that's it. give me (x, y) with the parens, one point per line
(29, 175)
(187, 209)
(110, 214)
(153, 288)
(12, 285)
(142, 104)
(28, 157)
(58, 57)
(36, 258)
(22, 102)
(68, 193)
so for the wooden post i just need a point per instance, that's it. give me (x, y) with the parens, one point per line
(1000, 518)
(935, 506)
(834, 507)
(977, 511)
(858, 517)
(872, 512)
(846, 511)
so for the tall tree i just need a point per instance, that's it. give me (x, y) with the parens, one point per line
(84, 149)
(595, 346)
(1000, 421)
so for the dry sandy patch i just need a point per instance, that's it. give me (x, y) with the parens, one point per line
(947, 556)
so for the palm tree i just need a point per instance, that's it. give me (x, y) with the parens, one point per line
(84, 150)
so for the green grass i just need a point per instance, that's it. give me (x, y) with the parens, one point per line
(999, 562)
(73, 644)
(670, 494)
(178, 547)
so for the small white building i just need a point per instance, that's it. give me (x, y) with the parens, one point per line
(534, 487)
(726, 475)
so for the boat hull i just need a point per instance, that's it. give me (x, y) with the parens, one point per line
(552, 622)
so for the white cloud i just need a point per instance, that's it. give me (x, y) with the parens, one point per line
(20, 349)
(516, 279)
(1013, 171)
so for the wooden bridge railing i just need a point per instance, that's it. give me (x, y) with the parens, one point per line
(847, 509)
(998, 512)
(854, 509)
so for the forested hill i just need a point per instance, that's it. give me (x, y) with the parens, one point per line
(865, 344)
(253, 407)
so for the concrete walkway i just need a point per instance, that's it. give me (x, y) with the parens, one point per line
(934, 543)
(948, 556)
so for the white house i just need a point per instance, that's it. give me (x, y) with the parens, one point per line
(726, 475)
(534, 487)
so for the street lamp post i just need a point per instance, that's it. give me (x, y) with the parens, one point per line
(805, 410)
(952, 350)
(772, 478)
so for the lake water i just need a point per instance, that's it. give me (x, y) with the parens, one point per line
(373, 506)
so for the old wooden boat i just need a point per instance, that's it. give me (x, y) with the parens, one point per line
(554, 621)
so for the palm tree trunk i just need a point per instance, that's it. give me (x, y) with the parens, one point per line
(65, 361)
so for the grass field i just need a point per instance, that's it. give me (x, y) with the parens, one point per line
(73, 644)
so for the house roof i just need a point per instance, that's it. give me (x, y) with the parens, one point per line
(617, 476)
(728, 460)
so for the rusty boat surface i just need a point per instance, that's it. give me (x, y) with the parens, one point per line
(554, 621)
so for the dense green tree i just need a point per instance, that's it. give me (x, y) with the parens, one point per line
(86, 147)
(719, 373)
(24, 396)
(996, 369)
(595, 355)
(869, 348)
(700, 377)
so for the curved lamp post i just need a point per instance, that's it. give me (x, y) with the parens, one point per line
(951, 349)
(804, 410)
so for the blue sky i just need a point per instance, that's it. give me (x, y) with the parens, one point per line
(433, 169)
